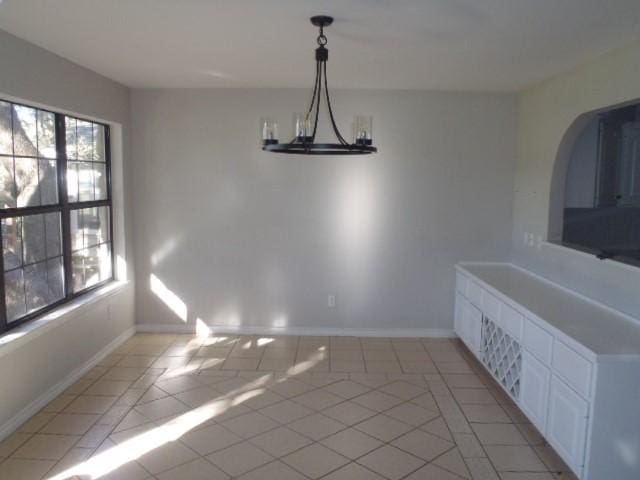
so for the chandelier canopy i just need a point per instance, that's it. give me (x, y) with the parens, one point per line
(306, 124)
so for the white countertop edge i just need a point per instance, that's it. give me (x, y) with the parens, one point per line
(583, 350)
(19, 336)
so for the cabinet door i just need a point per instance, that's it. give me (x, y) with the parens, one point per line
(534, 390)
(567, 423)
(472, 326)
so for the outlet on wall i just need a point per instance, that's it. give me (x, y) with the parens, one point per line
(529, 239)
(331, 301)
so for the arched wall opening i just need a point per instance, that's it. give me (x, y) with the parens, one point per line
(594, 203)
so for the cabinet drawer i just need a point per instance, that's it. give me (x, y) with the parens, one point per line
(491, 306)
(461, 283)
(538, 341)
(474, 293)
(572, 367)
(512, 321)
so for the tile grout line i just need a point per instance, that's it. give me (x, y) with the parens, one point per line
(389, 378)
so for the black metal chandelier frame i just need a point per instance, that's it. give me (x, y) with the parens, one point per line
(306, 145)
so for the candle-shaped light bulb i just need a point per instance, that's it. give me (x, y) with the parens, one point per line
(269, 131)
(363, 130)
(302, 127)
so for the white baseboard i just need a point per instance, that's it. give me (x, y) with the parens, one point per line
(309, 331)
(36, 405)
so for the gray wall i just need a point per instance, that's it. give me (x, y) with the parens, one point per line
(36, 76)
(546, 113)
(237, 237)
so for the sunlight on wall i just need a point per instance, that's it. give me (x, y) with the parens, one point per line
(229, 316)
(170, 299)
(358, 208)
(202, 330)
(167, 248)
(121, 268)
(280, 320)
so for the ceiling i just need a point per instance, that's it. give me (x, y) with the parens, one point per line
(489, 45)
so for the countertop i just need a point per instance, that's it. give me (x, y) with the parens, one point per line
(600, 329)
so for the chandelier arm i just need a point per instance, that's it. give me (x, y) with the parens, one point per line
(333, 121)
(315, 121)
(315, 89)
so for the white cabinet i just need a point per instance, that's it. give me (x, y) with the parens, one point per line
(572, 367)
(569, 363)
(534, 390)
(468, 323)
(567, 425)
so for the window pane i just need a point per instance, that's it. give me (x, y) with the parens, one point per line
(91, 258)
(89, 227)
(100, 176)
(56, 278)
(7, 186)
(70, 130)
(36, 287)
(80, 181)
(72, 181)
(85, 182)
(33, 238)
(32, 252)
(25, 141)
(98, 139)
(41, 289)
(91, 266)
(14, 295)
(46, 134)
(53, 234)
(6, 137)
(12, 243)
(85, 140)
(48, 182)
(27, 182)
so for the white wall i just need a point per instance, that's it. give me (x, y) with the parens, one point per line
(33, 75)
(242, 238)
(546, 112)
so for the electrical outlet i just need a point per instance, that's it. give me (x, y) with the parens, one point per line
(529, 239)
(331, 301)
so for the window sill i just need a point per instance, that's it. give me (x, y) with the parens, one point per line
(18, 336)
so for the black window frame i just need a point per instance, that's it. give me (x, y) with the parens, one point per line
(64, 207)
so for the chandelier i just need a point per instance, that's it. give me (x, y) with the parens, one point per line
(306, 124)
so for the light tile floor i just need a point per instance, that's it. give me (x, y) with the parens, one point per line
(179, 407)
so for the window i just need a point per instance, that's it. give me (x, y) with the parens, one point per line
(602, 189)
(55, 210)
